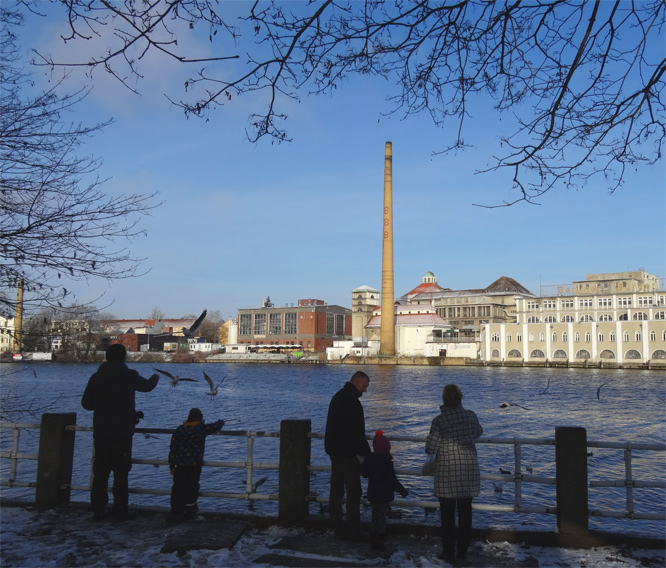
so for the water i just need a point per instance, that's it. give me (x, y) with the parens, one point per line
(400, 401)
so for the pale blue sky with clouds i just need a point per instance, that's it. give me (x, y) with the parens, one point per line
(242, 221)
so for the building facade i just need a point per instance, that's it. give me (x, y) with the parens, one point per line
(611, 318)
(6, 334)
(312, 324)
(364, 301)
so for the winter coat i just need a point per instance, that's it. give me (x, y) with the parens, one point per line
(452, 436)
(345, 424)
(382, 481)
(188, 442)
(110, 395)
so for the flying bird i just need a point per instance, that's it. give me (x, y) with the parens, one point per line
(599, 391)
(175, 378)
(213, 387)
(190, 331)
(507, 404)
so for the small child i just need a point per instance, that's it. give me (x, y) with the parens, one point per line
(382, 482)
(186, 453)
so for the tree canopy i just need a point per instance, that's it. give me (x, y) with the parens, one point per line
(583, 81)
(57, 224)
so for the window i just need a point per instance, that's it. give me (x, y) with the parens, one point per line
(611, 336)
(660, 316)
(653, 335)
(607, 354)
(494, 337)
(330, 324)
(644, 300)
(601, 336)
(582, 354)
(565, 336)
(508, 338)
(638, 336)
(567, 304)
(495, 354)
(274, 324)
(537, 353)
(514, 353)
(586, 318)
(624, 301)
(533, 319)
(659, 354)
(531, 305)
(588, 336)
(567, 319)
(530, 337)
(632, 354)
(625, 336)
(605, 317)
(259, 324)
(542, 336)
(605, 302)
(576, 336)
(585, 303)
(559, 354)
(550, 319)
(340, 324)
(245, 324)
(554, 337)
(519, 336)
(639, 316)
(549, 305)
(290, 323)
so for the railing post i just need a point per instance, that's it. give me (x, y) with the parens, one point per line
(294, 483)
(55, 460)
(571, 480)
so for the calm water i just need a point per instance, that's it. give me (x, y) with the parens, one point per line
(400, 401)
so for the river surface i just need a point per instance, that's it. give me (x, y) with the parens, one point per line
(629, 407)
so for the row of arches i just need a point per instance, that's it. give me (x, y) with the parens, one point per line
(607, 354)
(626, 336)
(636, 316)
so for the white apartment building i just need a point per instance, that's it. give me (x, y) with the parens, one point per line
(612, 318)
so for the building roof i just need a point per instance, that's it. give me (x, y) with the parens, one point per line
(505, 284)
(365, 288)
(411, 316)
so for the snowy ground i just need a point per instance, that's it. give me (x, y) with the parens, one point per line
(69, 538)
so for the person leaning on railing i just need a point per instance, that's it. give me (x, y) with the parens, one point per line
(457, 477)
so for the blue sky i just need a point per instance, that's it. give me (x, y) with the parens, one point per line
(242, 221)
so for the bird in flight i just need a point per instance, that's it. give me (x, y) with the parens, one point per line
(175, 378)
(190, 331)
(213, 387)
(507, 404)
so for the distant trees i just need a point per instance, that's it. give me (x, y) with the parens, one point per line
(56, 224)
(583, 81)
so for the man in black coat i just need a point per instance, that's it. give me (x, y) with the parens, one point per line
(110, 395)
(345, 442)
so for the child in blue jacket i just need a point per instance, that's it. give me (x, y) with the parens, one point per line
(382, 483)
(186, 453)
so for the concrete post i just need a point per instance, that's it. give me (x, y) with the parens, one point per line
(55, 461)
(294, 482)
(571, 480)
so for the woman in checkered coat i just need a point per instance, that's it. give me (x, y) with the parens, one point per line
(457, 478)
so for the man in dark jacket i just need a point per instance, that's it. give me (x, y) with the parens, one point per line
(345, 442)
(110, 395)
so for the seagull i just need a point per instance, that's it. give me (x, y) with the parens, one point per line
(507, 404)
(189, 332)
(599, 391)
(213, 388)
(175, 378)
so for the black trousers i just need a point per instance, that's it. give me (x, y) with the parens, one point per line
(185, 488)
(451, 537)
(111, 456)
(345, 475)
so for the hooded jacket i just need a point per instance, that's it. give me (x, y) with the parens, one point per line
(110, 395)
(188, 442)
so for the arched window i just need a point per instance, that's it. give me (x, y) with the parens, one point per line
(638, 335)
(601, 336)
(519, 336)
(560, 354)
(514, 353)
(611, 336)
(653, 335)
(623, 317)
(542, 336)
(660, 316)
(508, 338)
(567, 319)
(639, 316)
(632, 354)
(565, 336)
(625, 336)
(577, 336)
(550, 319)
(530, 337)
(659, 354)
(583, 354)
(588, 336)
(537, 353)
(554, 336)
(533, 319)
(586, 318)
(495, 354)
(605, 317)
(607, 354)
(494, 337)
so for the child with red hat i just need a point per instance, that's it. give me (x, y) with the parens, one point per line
(382, 483)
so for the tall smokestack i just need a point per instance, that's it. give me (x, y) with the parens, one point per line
(387, 330)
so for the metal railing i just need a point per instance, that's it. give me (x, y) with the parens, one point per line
(520, 476)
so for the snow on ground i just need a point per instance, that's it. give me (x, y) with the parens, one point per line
(69, 538)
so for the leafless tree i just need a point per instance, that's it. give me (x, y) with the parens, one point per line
(56, 224)
(583, 82)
